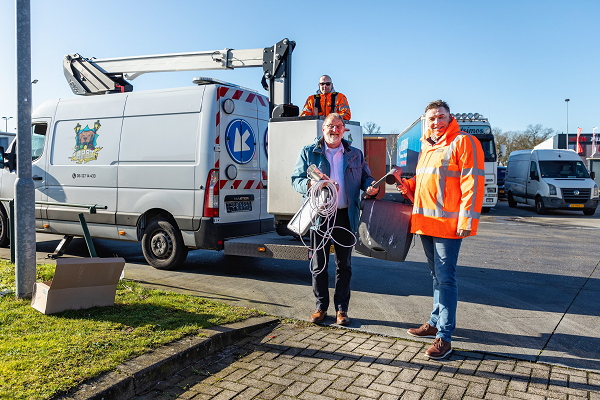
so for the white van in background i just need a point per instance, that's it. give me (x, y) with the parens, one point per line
(550, 179)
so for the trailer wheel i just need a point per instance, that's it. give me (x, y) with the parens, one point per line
(4, 228)
(162, 245)
(511, 200)
(540, 208)
(589, 211)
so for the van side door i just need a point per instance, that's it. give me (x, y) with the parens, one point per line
(533, 183)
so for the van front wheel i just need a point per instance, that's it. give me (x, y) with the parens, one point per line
(540, 208)
(589, 211)
(163, 246)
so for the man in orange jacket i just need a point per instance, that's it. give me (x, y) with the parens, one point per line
(326, 101)
(448, 193)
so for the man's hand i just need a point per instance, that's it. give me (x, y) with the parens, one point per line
(371, 191)
(405, 190)
(463, 233)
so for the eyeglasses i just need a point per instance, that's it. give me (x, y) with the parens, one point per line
(325, 83)
(338, 127)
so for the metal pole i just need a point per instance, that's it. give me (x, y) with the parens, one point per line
(567, 101)
(24, 186)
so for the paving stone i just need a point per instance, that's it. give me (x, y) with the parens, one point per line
(364, 380)
(372, 394)
(431, 384)
(295, 389)
(342, 383)
(408, 395)
(476, 390)
(247, 394)
(271, 392)
(432, 394)
(255, 383)
(454, 392)
(497, 386)
(225, 395)
(337, 394)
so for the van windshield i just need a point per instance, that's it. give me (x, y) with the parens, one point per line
(563, 169)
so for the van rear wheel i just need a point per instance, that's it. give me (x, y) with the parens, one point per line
(511, 200)
(162, 245)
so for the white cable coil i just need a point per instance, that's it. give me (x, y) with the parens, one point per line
(323, 198)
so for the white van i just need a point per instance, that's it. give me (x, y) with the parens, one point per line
(550, 179)
(178, 169)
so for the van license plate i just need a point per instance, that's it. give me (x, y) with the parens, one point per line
(237, 206)
(576, 205)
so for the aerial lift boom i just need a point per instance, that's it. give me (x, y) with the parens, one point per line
(90, 76)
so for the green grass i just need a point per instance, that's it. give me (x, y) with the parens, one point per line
(42, 355)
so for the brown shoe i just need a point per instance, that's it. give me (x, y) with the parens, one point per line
(439, 349)
(318, 316)
(424, 331)
(342, 318)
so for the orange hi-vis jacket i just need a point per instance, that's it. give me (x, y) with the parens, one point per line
(322, 103)
(449, 184)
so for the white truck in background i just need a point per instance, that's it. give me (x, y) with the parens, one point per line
(409, 147)
(177, 169)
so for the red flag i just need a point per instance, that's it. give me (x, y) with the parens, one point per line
(579, 148)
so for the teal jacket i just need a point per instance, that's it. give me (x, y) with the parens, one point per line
(357, 175)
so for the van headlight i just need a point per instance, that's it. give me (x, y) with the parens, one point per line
(552, 189)
(595, 191)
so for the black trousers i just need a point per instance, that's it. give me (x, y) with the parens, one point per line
(343, 271)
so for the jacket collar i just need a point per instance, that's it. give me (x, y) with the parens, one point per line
(452, 131)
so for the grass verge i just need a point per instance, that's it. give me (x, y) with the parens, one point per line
(43, 355)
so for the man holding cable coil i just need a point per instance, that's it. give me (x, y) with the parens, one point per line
(346, 166)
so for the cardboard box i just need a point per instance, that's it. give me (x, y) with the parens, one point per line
(78, 283)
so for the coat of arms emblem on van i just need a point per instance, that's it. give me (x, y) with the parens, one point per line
(86, 149)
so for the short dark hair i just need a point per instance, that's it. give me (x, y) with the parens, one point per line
(437, 104)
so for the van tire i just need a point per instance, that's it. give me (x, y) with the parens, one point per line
(485, 210)
(162, 245)
(511, 200)
(4, 228)
(540, 208)
(589, 211)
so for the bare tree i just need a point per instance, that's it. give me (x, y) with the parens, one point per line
(520, 140)
(371, 128)
(392, 144)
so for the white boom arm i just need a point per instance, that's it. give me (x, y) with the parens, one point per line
(110, 75)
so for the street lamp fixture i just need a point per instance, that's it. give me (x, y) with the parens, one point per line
(34, 81)
(6, 123)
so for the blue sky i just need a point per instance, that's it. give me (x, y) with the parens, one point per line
(513, 61)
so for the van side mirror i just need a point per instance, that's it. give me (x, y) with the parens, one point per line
(502, 150)
(533, 175)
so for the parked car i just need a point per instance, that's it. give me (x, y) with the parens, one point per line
(501, 180)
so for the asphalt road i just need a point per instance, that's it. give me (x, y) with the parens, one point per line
(529, 285)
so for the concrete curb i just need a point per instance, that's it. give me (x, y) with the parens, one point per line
(143, 372)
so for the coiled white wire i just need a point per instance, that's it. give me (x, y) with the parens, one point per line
(323, 198)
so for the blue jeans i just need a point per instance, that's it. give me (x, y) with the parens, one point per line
(442, 256)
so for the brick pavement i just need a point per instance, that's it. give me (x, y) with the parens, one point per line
(306, 361)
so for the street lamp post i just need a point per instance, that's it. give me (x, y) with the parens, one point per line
(567, 101)
(6, 123)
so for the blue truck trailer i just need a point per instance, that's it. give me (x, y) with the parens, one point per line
(409, 147)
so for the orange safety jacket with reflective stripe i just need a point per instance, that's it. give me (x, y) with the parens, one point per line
(449, 184)
(324, 101)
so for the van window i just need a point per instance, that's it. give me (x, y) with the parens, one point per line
(563, 169)
(38, 136)
(533, 169)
